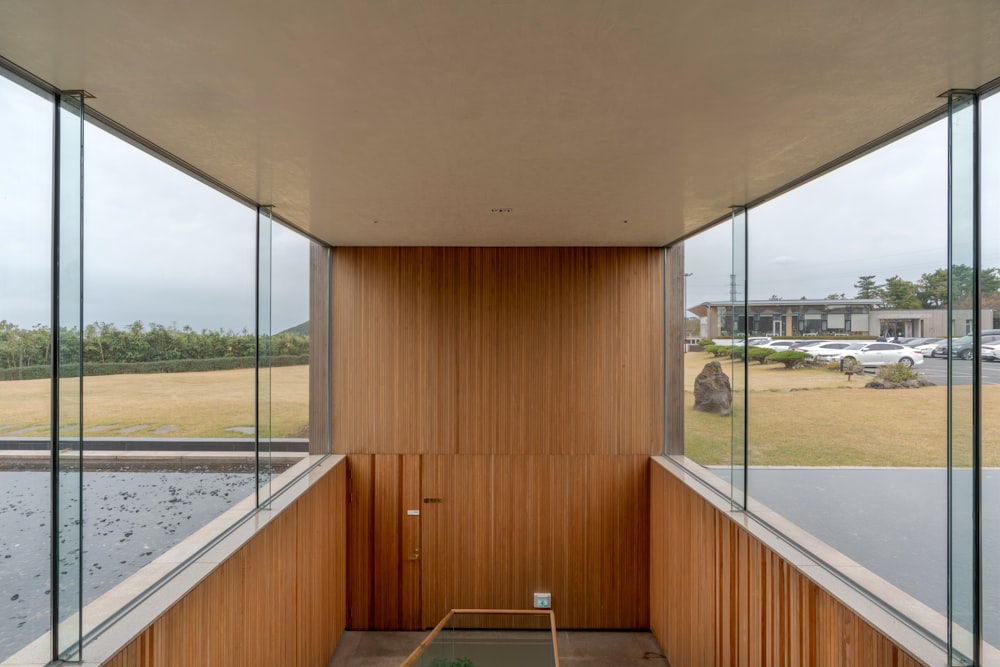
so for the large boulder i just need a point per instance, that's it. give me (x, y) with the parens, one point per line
(712, 392)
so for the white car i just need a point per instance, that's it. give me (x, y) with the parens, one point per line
(836, 354)
(880, 354)
(990, 352)
(780, 345)
(927, 348)
(823, 347)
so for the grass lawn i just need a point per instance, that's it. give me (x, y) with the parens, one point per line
(199, 405)
(816, 417)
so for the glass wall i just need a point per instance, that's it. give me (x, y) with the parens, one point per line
(290, 343)
(177, 370)
(990, 249)
(26, 128)
(169, 386)
(708, 291)
(867, 329)
(859, 468)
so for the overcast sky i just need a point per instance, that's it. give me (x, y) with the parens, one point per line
(884, 214)
(159, 246)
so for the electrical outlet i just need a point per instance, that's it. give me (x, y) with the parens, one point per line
(543, 600)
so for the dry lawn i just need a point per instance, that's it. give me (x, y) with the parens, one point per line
(816, 417)
(200, 405)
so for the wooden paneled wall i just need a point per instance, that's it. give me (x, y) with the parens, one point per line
(719, 597)
(497, 350)
(279, 600)
(507, 526)
(529, 381)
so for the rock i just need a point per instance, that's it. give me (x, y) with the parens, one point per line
(712, 392)
(878, 383)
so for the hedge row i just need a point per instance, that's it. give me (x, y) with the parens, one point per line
(139, 367)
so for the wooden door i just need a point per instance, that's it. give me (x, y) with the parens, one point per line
(384, 551)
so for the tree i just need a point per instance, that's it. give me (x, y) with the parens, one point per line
(867, 288)
(899, 294)
(835, 297)
(932, 289)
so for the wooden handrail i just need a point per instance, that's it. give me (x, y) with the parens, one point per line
(417, 652)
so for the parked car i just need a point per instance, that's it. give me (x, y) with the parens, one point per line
(990, 352)
(836, 354)
(963, 347)
(804, 346)
(824, 347)
(927, 346)
(880, 354)
(781, 345)
(914, 342)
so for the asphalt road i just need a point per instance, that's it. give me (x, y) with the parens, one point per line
(935, 370)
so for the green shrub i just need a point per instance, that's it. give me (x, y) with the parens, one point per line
(790, 358)
(705, 342)
(896, 373)
(762, 354)
(138, 367)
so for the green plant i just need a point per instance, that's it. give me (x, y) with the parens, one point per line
(896, 373)
(705, 342)
(762, 354)
(451, 662)
(790, 358)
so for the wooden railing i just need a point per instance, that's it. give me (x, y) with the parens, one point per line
(429, 639)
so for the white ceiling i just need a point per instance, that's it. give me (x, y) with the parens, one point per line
(406, 122)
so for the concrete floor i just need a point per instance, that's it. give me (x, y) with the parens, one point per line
(576, 649)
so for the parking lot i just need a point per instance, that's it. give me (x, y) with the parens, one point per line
(935, 370)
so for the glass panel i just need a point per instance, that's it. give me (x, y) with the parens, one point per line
(990, 387)
(263, 355)
(26, 120)
(711, 329)
(66, 427)
(963, 374)
(739, 368)
(289, 395)
(169, 345)
(857, 473)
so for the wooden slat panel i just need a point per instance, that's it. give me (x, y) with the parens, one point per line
(276, 601)
(720, 597)
(497, 350)
(361, 542)
(319, 353)
(387, 570)
(509, 526)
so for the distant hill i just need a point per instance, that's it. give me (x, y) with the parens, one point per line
(301, 329)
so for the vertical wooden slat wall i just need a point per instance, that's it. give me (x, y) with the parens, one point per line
(721, 598)
(530, 381)
(279, 600)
